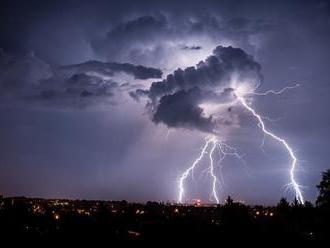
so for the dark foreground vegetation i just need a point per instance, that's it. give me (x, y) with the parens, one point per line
(39, 220)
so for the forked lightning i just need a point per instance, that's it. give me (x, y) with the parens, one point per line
(212, 142)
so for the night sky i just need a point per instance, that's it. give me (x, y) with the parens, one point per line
(113, 99)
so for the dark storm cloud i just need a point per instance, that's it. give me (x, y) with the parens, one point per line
(191, 47)
(27, 78)
(181, 109)
(108, 69)
(215, 71)
(143, 27)
(175, 100)
(121, 32)
(134, 36)
(79, 90)
(155, 38)
(248, 26)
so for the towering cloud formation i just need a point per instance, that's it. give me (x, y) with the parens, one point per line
(176, 101)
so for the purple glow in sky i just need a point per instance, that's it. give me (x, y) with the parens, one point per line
(109, 100)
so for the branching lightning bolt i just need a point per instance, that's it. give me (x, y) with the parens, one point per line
(209, 140)
(190, 170)
(214, 178)
(275, 92)
(261, 124)
(226, 150)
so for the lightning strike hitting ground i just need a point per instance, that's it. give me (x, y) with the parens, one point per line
(190, 170)
(214, 183)
(226, 150)
(261, 124)
(214, 142)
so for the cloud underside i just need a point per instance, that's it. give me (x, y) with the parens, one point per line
(176, 101)
(163, 39)
(28, 79)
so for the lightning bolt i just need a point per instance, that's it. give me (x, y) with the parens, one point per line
(274, 92)
(214, 183)
(261, 124)
(226, 150)
(211, 144)
(190, 170)
(213, 141)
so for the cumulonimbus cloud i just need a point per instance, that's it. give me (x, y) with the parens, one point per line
(176, 101)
